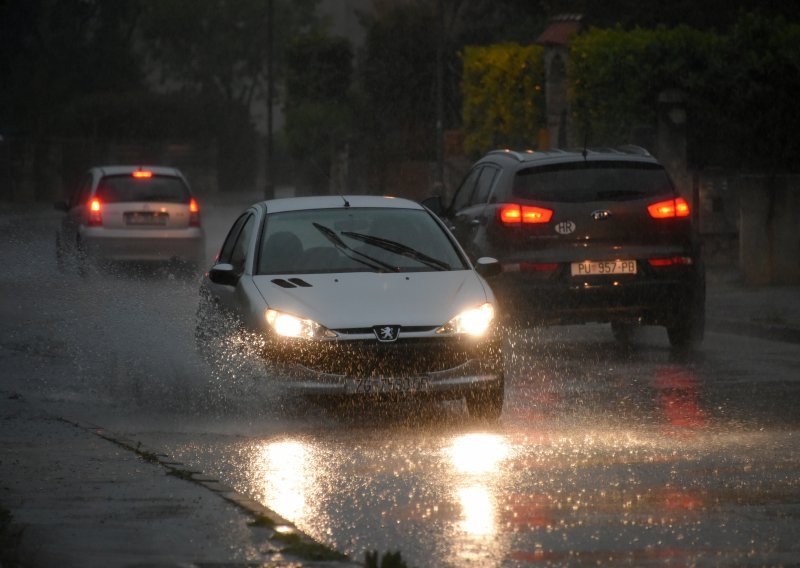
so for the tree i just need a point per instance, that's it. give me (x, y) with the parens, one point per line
(318, 107)
(503, 88)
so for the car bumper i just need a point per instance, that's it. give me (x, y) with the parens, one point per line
(128, 245)
(651, 300)
(469, 377)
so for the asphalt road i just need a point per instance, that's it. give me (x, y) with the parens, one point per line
(604, 454)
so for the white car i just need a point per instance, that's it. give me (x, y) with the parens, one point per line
(131, 213)
(358, 296)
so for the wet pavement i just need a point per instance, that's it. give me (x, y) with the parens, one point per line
(82, 495)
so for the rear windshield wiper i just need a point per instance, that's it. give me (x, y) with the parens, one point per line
(399, 248)
(364, 259)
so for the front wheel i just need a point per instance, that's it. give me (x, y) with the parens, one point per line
(487, 404)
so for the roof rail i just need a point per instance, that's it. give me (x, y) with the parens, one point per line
(633, 149)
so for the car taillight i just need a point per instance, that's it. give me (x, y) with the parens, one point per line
(95, 218)
(669, 208)
(512, 213)
(194, 213)
(671, 261)
(142, 174)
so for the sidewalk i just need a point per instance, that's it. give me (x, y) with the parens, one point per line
(769, 312)
(72, 495)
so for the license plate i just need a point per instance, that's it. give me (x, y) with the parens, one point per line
(137, 218)
(603, 267)
(390, 385)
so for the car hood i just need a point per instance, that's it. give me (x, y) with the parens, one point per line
(367, 299)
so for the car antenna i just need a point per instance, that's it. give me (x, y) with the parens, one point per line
(346, 203)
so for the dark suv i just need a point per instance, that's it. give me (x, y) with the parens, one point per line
(584, 236)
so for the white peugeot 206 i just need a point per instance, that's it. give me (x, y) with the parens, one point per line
(357, 297)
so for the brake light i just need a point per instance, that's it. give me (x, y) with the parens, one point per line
(513, 213)
(672, 261)
(669, 208)
(194, 213)
(142, 174)
(95, 213)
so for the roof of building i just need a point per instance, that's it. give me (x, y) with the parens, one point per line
(561, 30)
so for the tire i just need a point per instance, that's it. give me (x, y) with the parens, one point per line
(688, 329)
(487, 404)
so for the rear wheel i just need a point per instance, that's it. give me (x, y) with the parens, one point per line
(487, 404)
(688, 328)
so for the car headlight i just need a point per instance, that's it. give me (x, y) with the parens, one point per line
(474, 321)
(287, 325)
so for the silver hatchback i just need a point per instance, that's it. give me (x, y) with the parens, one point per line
(131, 213)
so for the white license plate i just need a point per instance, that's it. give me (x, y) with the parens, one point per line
(390, 385)
(603, 267)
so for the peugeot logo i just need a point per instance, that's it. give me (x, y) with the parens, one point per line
(386, 333)
(601, 214)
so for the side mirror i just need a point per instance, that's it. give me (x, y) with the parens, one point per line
(61, 206)
(434, 203)
(487, 266)
(223, 274)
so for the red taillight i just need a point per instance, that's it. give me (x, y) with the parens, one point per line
(95, 213)
(513, 213)
(669, 208)
(672, 261)
(142, 174)
(194, 213)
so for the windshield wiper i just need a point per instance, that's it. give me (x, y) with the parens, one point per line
(365, 259)
(398, 248)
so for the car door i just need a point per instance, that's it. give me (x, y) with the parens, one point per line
(234, 252)
(469, 213)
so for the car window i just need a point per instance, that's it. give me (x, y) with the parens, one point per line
(355, 240)
(230, 240)
(239, 253)
(592, 181)
(126, 188)
(464, 193)
(81, 193)
(484, 186)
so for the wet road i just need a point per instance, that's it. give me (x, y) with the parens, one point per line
(604, 455)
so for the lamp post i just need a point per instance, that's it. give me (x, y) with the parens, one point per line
(269, 187)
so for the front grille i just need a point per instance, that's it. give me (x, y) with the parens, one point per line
(404, 357)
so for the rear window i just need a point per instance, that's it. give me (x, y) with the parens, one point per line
(126, 188)
(592, 181)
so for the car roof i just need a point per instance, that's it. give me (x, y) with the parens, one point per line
(116, 170)
(535, 158)
(337, 202)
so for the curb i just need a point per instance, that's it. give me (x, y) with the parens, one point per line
(288, 543)
(751, 329)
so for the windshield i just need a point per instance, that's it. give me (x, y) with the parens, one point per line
(355, 240)
(592, 181)
(126, 188)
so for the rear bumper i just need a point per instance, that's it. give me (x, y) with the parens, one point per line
(130, 245)
(647, 299)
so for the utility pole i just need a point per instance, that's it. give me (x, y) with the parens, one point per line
(439, 181)
(269, 188)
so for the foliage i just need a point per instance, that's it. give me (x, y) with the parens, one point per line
(739, 88)
(53, 52)
(503, 94)
(617, 75)
(220, 47)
